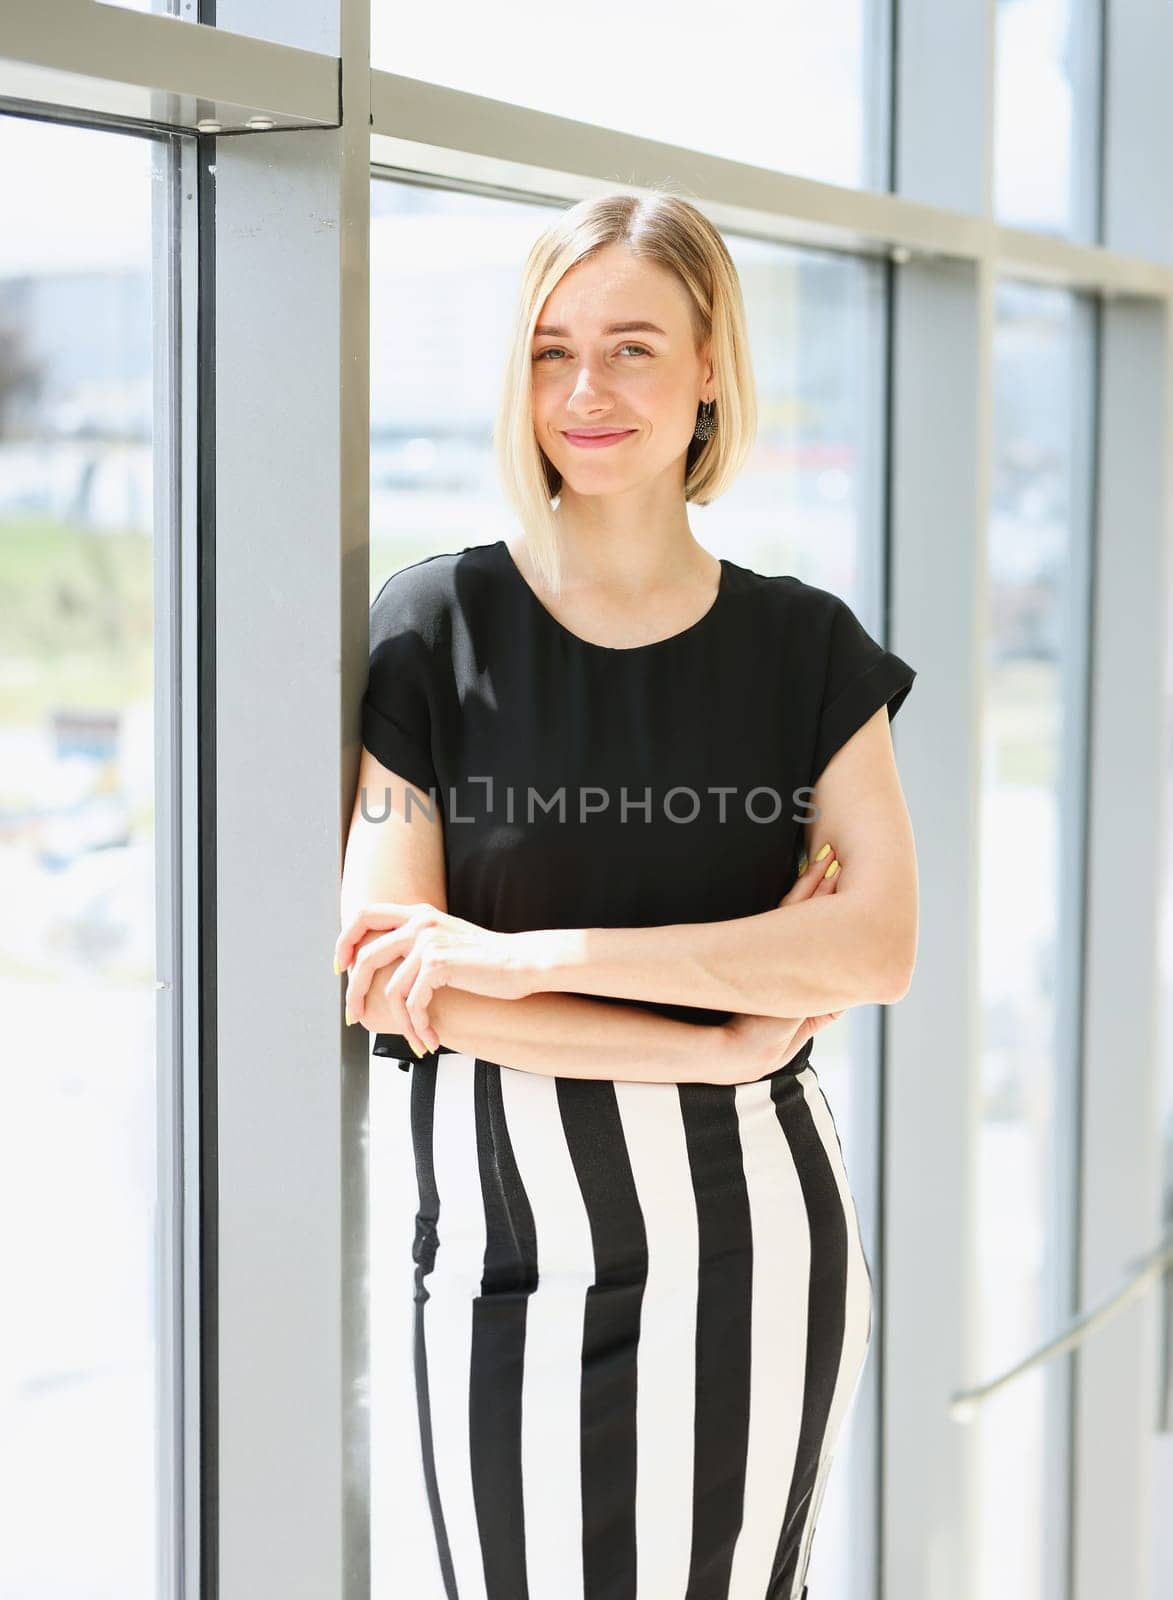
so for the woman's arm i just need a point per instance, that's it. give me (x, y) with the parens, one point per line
(564, 1036)
(570, 1036)
(395, 846)
(576, 1037)
(823, 955)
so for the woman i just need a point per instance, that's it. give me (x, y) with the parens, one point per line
(593, 756)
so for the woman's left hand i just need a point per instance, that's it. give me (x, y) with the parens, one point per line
(432, 949)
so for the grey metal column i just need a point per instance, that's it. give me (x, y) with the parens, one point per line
(292, 477)
(932, 1064)
(940, 442)
(175, 286)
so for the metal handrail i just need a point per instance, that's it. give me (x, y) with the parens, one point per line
(964, 1405)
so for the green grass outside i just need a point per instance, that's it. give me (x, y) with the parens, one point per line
(79, 618)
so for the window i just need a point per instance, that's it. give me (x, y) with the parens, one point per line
(87, 1159)
(1030, 915)
(809, 97)
(1046, 116)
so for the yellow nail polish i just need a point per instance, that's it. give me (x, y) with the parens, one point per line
(803, 864)
(822, 852)
(831, 870)
(349, 1018)
(337, 968)
(418, 1052)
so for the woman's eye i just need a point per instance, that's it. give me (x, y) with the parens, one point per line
(555, 350)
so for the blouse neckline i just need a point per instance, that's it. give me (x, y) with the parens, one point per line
(689, 632)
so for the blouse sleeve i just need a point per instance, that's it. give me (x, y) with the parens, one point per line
(860, 677)
(396, 714)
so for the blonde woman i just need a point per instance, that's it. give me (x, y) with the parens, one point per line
(596, 760)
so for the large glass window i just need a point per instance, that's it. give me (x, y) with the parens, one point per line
(1046, 120)
(445, 272)
(1031, 843)
(81, 1242)
(799, 88)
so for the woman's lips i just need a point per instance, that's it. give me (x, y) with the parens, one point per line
(598, 441)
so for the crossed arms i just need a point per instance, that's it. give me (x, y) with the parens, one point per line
(849, 948)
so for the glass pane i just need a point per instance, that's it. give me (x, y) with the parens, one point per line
(270, 22)
(1032, 736)
(445, 272)
(1046, 118)
(79, 1219)
(807, 96)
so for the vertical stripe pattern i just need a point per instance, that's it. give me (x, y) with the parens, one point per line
(641, 1315)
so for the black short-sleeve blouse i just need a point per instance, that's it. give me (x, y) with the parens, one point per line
(585, 786)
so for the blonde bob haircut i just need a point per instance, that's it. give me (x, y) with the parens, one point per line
(657, 226)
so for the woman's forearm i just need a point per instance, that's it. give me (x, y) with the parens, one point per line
(799, 960)
(566, 1036)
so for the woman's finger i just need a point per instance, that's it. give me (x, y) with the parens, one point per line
(375, 957)
(393, 979)
(828, 872)
(375, 953)
(416, 1003)
(377, 918)
(805, 1032)
(808, 881)
(399, 992)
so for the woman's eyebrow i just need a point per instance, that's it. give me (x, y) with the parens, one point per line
(614, 327)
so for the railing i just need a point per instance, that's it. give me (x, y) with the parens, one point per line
(964, 1405)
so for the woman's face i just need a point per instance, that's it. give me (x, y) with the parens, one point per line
(591, 373)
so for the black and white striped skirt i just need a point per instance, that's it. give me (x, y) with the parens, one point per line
(641, 1315)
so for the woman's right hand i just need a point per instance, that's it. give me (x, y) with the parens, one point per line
(761, 1045)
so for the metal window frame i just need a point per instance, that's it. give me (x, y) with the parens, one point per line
(283, 530)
